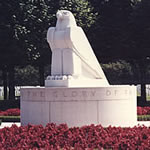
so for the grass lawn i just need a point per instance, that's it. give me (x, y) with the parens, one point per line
(17, 118)
(1, 98)
(148, 98)
(10, 118)
(143, 117)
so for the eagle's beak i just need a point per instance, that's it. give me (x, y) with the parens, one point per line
(59, 14)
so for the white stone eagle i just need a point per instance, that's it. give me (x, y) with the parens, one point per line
(72, 54)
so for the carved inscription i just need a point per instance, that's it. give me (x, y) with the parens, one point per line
(55, 94)
(93, 93)
(42, 94)
(66, 94)
(77, 94)
(74, 93)
(33, 95)
(118, 92)
(108, 93)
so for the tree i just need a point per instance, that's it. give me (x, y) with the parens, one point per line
(32, 26)
(122, 29)
(26, 76)
(111, 29)
(11, 50)
(139, 43)
(118, 72)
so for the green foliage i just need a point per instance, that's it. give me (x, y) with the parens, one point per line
(11, 51)
(0, 77)
(10, 118)
(28, 75)
(139, 40)
(110, 33)
(35, 21)
(143, 117)
(118, 72)
(139, 29)
(32, 18)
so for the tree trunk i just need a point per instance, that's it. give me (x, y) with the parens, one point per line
(11, 83)
(41, 72)
(4, 75)
(143, 92)
(142, 66)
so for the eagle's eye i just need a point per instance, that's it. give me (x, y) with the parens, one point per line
(65, 13)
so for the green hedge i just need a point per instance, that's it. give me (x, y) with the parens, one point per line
(7, 104)
(17, 118)
(143, 117)
(10, 118)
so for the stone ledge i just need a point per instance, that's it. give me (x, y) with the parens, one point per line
(108, 93)
(76, 83)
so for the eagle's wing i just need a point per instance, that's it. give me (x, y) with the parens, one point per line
(50, 35)
(77, 39)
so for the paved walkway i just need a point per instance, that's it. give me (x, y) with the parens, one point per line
(146, 123)
(6, 124)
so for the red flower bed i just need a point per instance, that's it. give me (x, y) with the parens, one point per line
(143, 110)
(61, 137)
(10, 112)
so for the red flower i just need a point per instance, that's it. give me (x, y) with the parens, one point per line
(143, 110)
(10, 112)
(61, 137)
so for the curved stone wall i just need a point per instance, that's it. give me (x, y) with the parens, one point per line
(112, 105)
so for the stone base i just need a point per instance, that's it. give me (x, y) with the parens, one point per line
(112, 105)
(76, 83)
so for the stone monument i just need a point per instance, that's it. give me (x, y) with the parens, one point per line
(73, 61)
(77, 91)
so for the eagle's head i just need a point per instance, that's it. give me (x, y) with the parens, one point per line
(64, 19)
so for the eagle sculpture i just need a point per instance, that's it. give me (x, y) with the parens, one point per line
(72, 55)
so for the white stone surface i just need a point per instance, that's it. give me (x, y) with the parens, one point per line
(76, 83)
(35, 112)
(74, 113)
(113, 105)
(143, 123)
(9, 124)
(72, 54)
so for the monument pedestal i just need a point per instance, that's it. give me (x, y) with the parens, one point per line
(112, 105)
(76, 83)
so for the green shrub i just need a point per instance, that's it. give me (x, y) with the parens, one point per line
(10, 118)
(143, 117)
